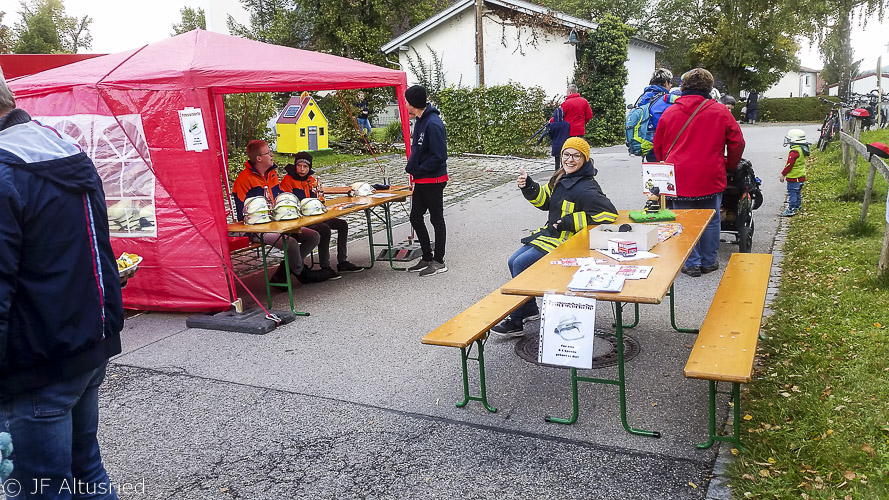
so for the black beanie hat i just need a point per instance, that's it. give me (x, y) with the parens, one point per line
(416, 96)
(303, 156)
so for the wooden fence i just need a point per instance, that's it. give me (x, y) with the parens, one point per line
(851, 145)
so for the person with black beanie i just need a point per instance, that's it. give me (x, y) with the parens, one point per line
(428, 167)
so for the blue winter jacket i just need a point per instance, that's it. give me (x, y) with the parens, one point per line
(61, 311)
(659, 106)
(429, 149)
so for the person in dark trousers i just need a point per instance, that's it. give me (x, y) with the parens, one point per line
(752, 106)
(558, 131)
(428, 168)
(363, 114)
(61, 310)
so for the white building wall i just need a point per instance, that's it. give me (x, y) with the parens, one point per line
(513, 54)
(793, 84)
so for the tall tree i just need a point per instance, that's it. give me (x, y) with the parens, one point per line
(632, 12)
(834, 21)
(601, 75)
(7, 41)
(192, 19)
(749, 44)
(45, 29)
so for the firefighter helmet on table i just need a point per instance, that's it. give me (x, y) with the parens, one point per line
(312, 206)
(256, 210)
(286, 207)
(361, 189)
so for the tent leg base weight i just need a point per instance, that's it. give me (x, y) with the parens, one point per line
(402, 252)
(250, 321)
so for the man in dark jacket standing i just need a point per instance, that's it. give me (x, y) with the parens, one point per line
(577, 111)
(428, 167)
(61, 311)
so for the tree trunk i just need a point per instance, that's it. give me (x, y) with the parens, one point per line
(844, 28)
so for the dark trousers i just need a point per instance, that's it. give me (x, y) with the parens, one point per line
(342, 238)
(429, 197)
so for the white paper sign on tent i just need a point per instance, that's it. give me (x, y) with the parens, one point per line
(662, 175)
(193, 132)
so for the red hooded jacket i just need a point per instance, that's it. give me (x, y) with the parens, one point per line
(577, 113)
(699, 155)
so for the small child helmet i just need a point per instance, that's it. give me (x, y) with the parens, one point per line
(795, 136)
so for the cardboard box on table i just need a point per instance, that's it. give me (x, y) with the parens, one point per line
(644, 235)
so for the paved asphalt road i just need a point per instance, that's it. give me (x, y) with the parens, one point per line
(347, 403)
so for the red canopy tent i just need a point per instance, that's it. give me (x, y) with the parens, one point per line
(153, 121)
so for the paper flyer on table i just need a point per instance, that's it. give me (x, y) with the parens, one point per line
(621, 258)
(595, 280)
(382, 195)
(628, 272)
(567, 327)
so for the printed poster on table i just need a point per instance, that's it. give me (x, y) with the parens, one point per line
(567, 326)
(192, 121)
(662, 175)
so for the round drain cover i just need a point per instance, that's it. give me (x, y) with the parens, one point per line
(604, 345)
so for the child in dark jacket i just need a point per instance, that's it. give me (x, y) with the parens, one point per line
(559, 130)
(301, 181)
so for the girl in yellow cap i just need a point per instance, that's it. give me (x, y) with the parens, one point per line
(573, 200)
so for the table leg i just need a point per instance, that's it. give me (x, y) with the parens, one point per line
(620, 382)
(672, 293)
(635, 317)
(288, 283)
(386, 218)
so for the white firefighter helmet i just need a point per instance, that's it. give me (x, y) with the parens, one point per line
(312, 206)
(286, 207)
(569, 328)
(256, 210)
(361, 189)
(795, 136)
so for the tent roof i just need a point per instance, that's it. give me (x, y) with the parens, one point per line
(203, 59)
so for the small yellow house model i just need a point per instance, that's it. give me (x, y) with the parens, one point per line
(302, 126)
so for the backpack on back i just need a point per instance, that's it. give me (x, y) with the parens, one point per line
(640, 132)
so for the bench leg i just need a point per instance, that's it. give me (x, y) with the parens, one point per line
(735, 438)
(483, 398)
(672, 293)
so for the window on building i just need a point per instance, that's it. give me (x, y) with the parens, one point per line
(320, 130)
(302, 132)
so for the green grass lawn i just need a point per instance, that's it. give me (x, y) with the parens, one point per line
(817, 413)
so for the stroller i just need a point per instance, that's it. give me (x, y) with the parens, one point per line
(741, 197)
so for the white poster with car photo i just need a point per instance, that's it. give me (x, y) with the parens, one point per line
(567, 327)
(660, 175)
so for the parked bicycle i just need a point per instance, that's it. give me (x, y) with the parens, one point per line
(830, 129)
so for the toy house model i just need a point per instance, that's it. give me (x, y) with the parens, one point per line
(302, 126)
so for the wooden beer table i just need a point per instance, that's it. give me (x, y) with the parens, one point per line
(373, 206)
(544, 277)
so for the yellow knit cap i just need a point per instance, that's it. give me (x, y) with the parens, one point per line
(578, 144)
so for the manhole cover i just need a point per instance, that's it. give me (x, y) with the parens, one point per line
(603, 344)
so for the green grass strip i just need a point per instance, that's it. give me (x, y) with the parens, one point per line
(816, 416)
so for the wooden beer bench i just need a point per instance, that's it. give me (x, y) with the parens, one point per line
(472, 325)
(726, 345)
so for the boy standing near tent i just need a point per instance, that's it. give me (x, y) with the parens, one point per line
(259, 178)
(301, 181)
(429, 170)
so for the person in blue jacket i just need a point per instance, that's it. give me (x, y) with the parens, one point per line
(428, 168)
(658, 94)
(61, 310)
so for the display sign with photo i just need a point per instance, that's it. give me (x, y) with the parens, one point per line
(662, 175)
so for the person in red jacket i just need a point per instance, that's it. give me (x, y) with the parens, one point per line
(577, 111)
(699, 155)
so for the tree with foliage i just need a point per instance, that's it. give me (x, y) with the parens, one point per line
(601, 75)
(281, 22)
(192, 19)
(834, 20)
(632, 12)
(748, 44)
(6, 39)
(45, 29)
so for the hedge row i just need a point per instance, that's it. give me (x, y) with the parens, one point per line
(789, 109)
(492, 120)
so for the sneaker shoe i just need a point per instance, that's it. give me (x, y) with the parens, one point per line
(308, 276)
(509, 328)
(347, 267)
(533, 317)
(709, 269)
(434, 268)
(419, 266)
(788, 213)
(280, 275)
(331, 274)
(693, 271)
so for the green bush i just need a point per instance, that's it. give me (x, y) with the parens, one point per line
(493, 120)
(789, 109)
(392, 132)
